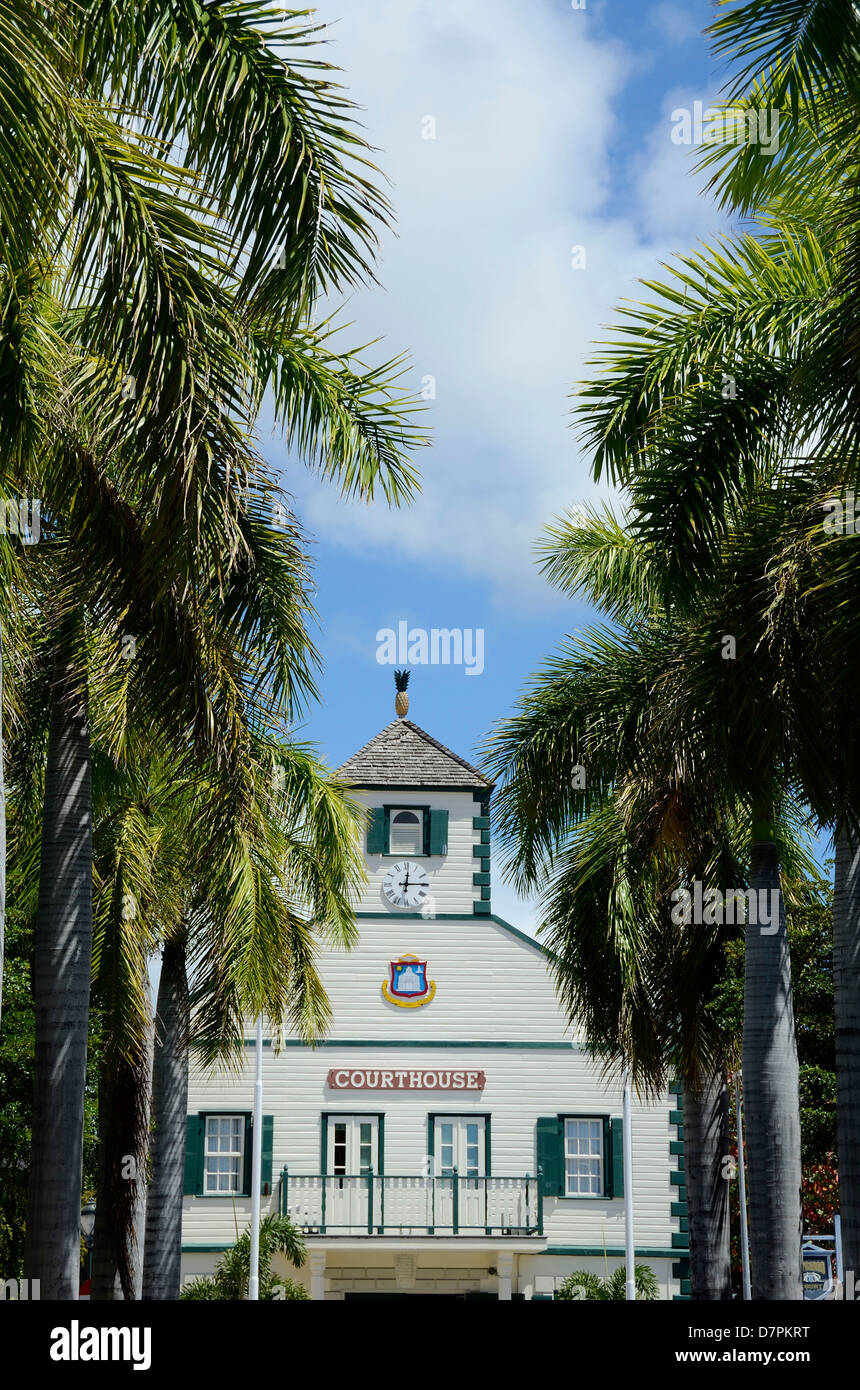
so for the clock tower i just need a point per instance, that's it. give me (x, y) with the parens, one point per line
(427, 838)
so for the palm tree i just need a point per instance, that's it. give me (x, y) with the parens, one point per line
(239, 882)
(278, 1235)
(801, 59)
(628, 707)
(175, 444)
(128, 833)
(248, 958)
(61, 974)
(591, 1288)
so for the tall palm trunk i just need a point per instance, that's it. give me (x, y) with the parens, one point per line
(706, 1145)
(163, 1246)
(2, 837)
(771, 1097)
(138, 1230)
(846, 988)
(105, 1281)
(61, 981)
(124, 1107)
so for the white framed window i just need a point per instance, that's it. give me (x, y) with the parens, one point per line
(584, 1158)
(353, 1143)
(406, 831)
(460, 1143)
(224, 1154)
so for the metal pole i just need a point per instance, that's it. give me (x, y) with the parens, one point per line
(745, 1239)
(837, 1241)
(256, 1171)
(629, 1246)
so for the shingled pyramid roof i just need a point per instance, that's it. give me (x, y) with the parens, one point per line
(402, 755)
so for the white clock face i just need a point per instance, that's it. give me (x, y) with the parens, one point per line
(406, 884)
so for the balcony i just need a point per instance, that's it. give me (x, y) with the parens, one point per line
(373, 1204)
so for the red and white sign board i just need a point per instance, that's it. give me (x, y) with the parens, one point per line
(404, 1079)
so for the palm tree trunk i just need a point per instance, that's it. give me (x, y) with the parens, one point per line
(2, 837)
(124, 1105)
(846, 988)
(141, 1191)
(61, 981)
(771, 1098)
(163, 1246)
(706, 1145)
(105, 1282)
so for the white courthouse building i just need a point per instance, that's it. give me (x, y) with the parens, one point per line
(450, 1137)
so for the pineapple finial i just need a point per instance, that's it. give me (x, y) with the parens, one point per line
(401, 699)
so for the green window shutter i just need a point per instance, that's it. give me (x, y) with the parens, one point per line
(376, 828)
(616, 1158)
(246, 1167)
(193, 1183)
(550, 1155)
(266, 1168)
(438, 832)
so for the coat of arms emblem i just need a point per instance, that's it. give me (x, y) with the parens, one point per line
(407, 984)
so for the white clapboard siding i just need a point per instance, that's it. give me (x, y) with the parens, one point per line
(490, 984)
(521, 1085)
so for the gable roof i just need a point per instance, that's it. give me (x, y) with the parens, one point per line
(402, 755)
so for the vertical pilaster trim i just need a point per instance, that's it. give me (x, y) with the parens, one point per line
(481, 851)
(680, 1239)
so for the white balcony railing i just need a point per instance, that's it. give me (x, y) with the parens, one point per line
(375, 1204)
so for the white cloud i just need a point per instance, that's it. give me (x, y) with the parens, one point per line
(478, 283)
(670, 196)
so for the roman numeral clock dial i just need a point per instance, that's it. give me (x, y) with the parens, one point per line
(406, 884)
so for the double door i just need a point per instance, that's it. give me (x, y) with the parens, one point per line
(459, 1142)
(353, 1153)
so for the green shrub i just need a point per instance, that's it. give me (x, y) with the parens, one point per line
(590, 1287)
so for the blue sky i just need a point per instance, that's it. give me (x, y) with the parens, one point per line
(552, 130)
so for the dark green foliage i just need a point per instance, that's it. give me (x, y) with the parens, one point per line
(17, 1043)
(817, 1114)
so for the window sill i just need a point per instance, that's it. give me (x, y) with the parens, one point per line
(217, 1196)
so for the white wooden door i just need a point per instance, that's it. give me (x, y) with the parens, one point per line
(460, 1142)
(353, 1153)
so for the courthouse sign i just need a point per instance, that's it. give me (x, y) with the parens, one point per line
(403, 1079)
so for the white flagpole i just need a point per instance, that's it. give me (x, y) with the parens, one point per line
(256, 1171)
(627, 1139)
(745, 1239)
